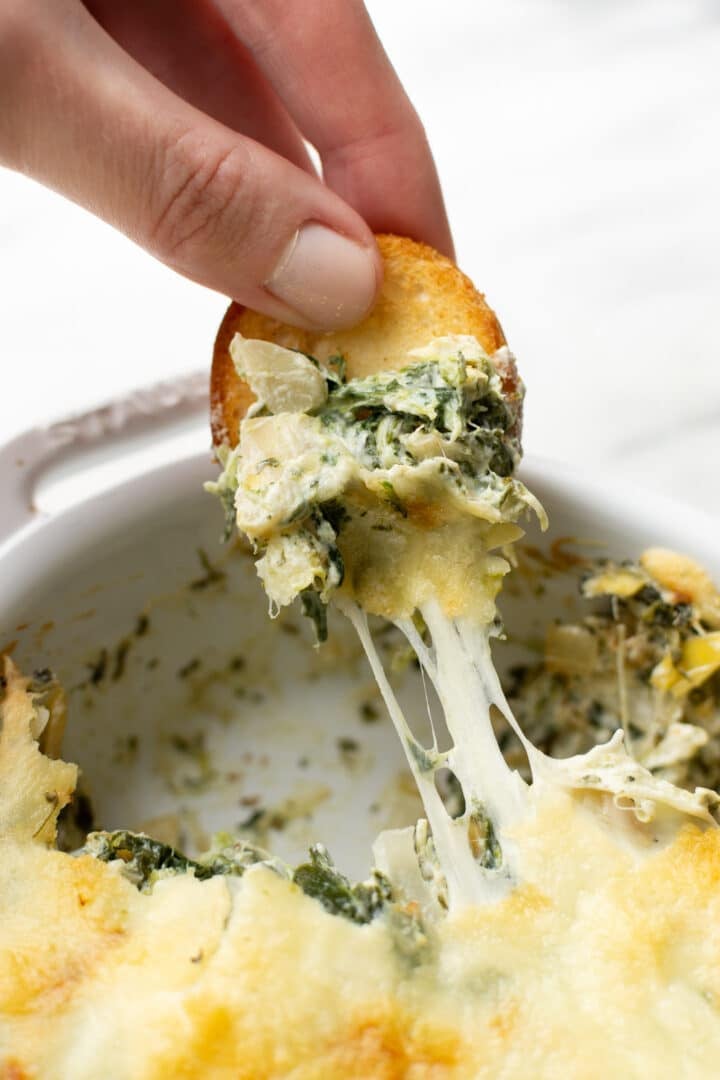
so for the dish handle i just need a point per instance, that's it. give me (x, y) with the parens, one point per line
(131, 423)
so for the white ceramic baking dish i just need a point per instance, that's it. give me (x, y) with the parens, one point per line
(190, 710)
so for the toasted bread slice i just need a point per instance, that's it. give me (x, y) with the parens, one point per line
(423, 296)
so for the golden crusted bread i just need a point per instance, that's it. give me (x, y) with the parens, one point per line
(423, 296)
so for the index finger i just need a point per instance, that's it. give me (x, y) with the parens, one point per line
(328, 66)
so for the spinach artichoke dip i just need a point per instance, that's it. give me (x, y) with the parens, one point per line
(643, 656)
(559, 920)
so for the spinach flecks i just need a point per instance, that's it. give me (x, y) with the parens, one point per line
(453, 414)
(337, 370)
(315, 610)
(483, 839)
(211, 576)
(392, 498)
(321, 880)
(335, 513)
(144, 858)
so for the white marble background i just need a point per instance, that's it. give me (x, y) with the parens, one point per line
(579, 146)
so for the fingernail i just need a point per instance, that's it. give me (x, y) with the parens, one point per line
(328, 280)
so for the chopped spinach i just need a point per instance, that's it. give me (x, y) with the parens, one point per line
(393, 499)
(321, 879)
(98, 668)
(227, 501)
(121, 654)
(335, 513)
(369, 712)
(565, 713)
(211, 576)
(483, 839)
(316, 611)
(41, 680)
(145, 858)
(337, 370)
(453, 412)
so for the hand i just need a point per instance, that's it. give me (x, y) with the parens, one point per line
(182, 123)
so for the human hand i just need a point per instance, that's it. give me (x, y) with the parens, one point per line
(181, 122)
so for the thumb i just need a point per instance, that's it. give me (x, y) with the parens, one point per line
(215, 206)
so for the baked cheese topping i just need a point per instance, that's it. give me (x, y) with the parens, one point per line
(604, 959)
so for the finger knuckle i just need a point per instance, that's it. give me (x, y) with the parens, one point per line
(204, 199)
(399, 135)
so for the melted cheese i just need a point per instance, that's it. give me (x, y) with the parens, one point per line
(604, 960)
(569, 924)
(427, 549)
(424, 512)
(461, 669)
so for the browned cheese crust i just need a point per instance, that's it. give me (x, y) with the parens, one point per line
(423, 296)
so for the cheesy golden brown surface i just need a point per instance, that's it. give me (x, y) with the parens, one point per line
(605, 958)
